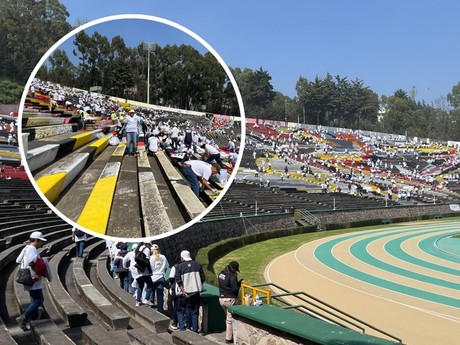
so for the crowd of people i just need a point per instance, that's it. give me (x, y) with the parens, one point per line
(338, 159)
(146, 274)
(184, 138)
(143, 272)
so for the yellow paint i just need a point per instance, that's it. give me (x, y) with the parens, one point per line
(52, 185)
(81, 139)
(9, 154)
(95, 214)
(100, 145)
(120, 150)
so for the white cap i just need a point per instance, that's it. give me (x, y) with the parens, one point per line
(185, 255)
(155, 246)
(37, 235)
(134, 246)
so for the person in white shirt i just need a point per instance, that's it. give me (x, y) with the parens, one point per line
(196, 172)
(129, 262)
(132, 130)
(154, 144)
(27, 258)
(175, 136)
(211, 153)
(159, 265)
(79, 237)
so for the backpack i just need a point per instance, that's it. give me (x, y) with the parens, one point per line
(119, 262)
(39, 266)
(79, 233)
(142, 261)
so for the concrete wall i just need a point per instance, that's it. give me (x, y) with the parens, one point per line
(5, 109)
(203, 234)
(247, 332)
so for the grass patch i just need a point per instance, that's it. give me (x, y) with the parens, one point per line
(254, 258)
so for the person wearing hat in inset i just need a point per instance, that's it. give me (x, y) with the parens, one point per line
(132, 131)
(229, 288)
(196, 172)
(27, 258)
(189, 278)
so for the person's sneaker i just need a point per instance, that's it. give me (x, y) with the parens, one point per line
(22, 321)
(147, 302)
(138, 304)
(40, 313)
(174, 327)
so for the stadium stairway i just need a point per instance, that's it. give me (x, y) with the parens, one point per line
(83, 303)
(97, 185)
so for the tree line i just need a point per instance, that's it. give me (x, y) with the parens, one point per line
(182, 77)
(177, 76)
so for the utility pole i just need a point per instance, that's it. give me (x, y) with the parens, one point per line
(149, 47)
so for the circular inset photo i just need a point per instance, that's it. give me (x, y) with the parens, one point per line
(131, 126)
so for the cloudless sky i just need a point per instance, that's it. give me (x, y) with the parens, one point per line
(387, 44)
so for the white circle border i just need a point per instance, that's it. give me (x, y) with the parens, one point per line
(183, 29)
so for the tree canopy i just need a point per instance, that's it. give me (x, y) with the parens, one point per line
(28, 29)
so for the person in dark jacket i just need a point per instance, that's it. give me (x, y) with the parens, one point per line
(229, 288)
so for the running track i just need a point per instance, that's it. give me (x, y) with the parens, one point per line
(404, 280)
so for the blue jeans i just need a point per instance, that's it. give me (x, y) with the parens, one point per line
(175, 143)
(215, 157)
(131, 137)
(192, 179)
(36, 300)
(188, 305)
(79, 247)
(124, 280)
(158, 287)
(130, 282)
(141, 281)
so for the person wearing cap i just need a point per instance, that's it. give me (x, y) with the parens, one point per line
(27, 258)
(129, 262)
(143, 275)
(189, 278)
(159, 265)
(229, 288)
(198, 171)
(120, 269)
(132, 130)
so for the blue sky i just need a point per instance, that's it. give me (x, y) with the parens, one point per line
(388, 44)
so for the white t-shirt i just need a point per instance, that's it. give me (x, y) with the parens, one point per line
(153, 144)
(132, 123)
(79, 238)
(159, 267)
(200, 168)
(174, 132)
(30, 254)
(212, 150)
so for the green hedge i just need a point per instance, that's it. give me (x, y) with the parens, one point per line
(207, 256)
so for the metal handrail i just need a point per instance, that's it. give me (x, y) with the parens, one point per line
(323, 304)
